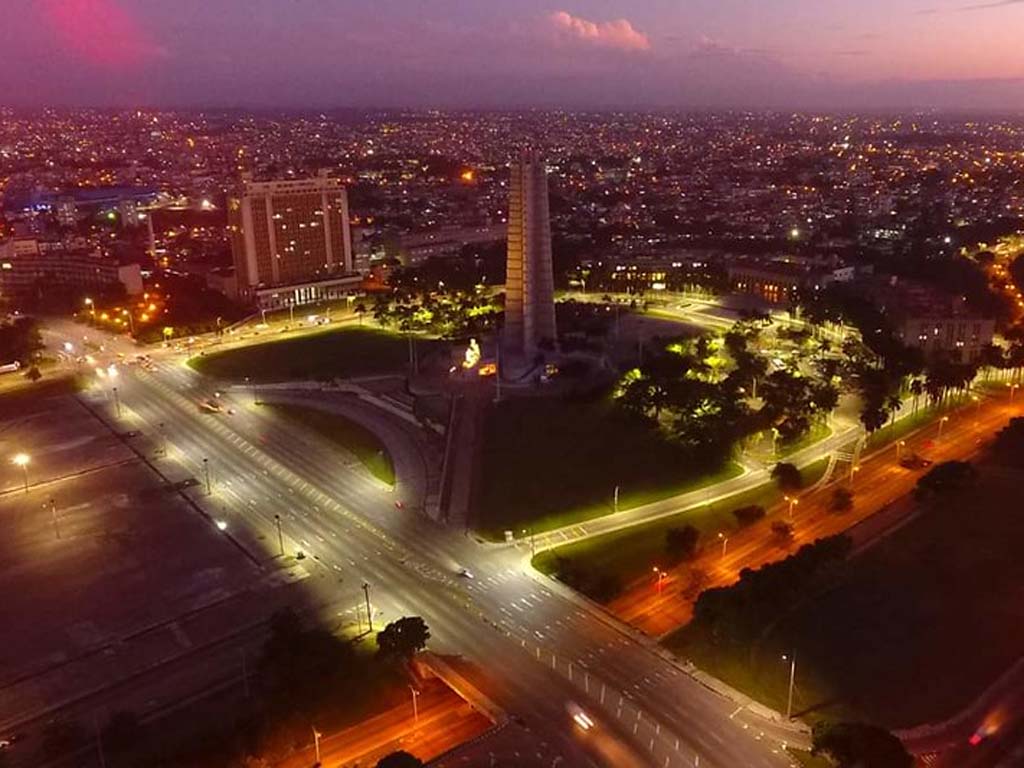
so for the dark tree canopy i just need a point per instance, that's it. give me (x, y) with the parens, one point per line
(403, 638)
(859, 745)
(787, 476)
(948, 477)
(399, 759)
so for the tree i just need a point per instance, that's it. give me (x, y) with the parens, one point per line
(787, 476)
(681, 543)
(399, 759)
(946, 478)
(124, 733)
(360, 311)
(859, 745)
(1009, 443)
(749, 514)
(782, 530)
(403, 638)
(61, 737)
(842, 500)
(33, 374)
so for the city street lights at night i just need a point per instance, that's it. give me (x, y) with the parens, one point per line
(23, 460)
(369, 611)
(53, 515)
(942, 423)
(415, 706)
(533, 542)
(900, 445)
(791, 658)
(117, 403)
(316, 743)
(725, 542)
(280, 536)
(1013, 389)
(793, 501)
(660, 575)
(206, 474)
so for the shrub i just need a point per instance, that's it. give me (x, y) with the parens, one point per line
(749, 515)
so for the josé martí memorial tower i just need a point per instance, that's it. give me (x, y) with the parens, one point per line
(529, 281)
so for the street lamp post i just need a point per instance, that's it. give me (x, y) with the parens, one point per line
(792, 679)
(316, 743)
(900, 445)
(415, 706)
(660, 575)
(725, 542)
(117, 403)
(1013, 389)
(22, 460)
(533, 542)
(615, 499)
(206, 474)
(369, 611)
(53, 514)
(280, 536)
(163, 439)
(942, 423)
(793, 501)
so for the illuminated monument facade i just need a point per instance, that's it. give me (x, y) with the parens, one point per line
(529, 282)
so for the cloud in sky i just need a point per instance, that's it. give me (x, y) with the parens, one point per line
(619, 33)
(100, 32)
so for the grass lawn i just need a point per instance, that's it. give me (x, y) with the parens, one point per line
(353, 437)
(911, 631)
(815, 434)
(336, 353)
(632, 552)
(807, 760)
(21, 396)
(552, 462)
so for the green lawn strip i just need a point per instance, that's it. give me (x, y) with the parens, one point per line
(886, 641)
(551, 462)
(353, 437)
(632, 552)
(807, 760)
(818, 432)
(334, 353)
(20, 396)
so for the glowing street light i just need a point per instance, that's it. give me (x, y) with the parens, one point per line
(942, 423)
(900, 445)
(725, 542)
(23, 460)
(316, 743)
(793, 501)
(660, 575)
(1013, 389)
(791, 658)
(415, 706)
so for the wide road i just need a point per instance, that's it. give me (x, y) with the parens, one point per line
(878, 482)
(539, 649)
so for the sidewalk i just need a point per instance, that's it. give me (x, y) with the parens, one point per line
(879, 483)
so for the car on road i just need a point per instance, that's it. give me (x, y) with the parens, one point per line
(581, 718)
(465, 573)
(914, 461)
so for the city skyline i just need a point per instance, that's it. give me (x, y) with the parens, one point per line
(591, 53)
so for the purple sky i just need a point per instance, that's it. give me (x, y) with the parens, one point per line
(494, 53)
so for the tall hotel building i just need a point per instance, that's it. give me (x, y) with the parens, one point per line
(291, 241)
(529, 282)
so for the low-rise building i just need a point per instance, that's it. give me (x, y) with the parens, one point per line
(28, 266)
(933, 321)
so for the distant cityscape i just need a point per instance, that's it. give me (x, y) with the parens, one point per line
(511, 439)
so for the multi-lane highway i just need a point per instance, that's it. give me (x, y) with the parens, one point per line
(537, 648)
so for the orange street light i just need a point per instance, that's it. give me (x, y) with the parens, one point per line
(22, 460)
(661, 576)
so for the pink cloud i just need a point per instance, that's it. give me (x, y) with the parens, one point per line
(100, 31)
(620, 33)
